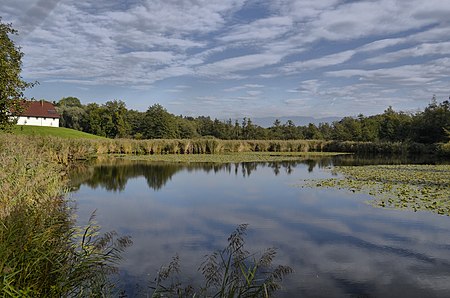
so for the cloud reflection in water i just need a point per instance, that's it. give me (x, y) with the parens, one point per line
(337, 244)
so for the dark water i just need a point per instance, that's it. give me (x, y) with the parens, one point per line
(338, 245)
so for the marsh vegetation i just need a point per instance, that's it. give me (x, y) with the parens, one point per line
(42, 250)
(414, 187)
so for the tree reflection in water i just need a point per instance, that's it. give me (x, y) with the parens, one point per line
(114, 174)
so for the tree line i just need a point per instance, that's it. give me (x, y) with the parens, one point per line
(114, 120)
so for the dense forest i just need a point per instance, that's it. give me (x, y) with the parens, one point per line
(114, 120)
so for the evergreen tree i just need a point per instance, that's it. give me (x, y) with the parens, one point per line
(159, 124)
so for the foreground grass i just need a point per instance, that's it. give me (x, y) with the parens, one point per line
(414, 187)
(42, 252)
(61, 132)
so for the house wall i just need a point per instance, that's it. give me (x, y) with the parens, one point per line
(38, 121)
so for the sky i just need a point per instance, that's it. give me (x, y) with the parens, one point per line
(237, 58)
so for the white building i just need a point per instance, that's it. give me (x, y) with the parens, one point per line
(39, 113)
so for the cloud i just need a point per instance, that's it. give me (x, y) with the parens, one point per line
(425, 49)
(260, 30)
(254, 86)
(254, 92)
(179, 88)
(325, 61)
(405, 74)
(239, 64)
(241, 87)
(323, 50)
(364, 18)
(31, 18)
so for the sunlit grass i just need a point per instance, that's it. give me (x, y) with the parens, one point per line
(61, 132)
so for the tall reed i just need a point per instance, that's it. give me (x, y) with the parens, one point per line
(64, 151)
(229, 272)
(42, 252)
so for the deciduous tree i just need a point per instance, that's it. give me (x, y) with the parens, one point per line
(12, 85)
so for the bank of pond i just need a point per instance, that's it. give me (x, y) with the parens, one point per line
(46, 251)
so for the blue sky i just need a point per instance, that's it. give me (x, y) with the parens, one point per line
(237, 58)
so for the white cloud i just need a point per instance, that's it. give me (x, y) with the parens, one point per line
(137, 44)
(254, 86)
(241, 87)
(364, 18)
(260, 30)
(325, 61)
(238, 64)
(254, 92)
(426, 49)
(402, 75)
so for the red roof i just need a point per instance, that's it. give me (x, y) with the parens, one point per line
(39, 109)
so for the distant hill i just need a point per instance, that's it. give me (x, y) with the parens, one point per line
(298, 120)
(52, 131)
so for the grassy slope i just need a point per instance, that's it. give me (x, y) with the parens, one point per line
(52, 131)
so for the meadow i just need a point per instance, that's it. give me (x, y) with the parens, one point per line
(61, 132)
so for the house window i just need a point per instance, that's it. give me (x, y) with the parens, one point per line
(28, 117)
(45, 118)
(37, 118)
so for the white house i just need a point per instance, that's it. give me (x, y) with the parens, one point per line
(39, 113)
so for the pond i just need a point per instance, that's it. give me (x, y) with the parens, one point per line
(337, 243)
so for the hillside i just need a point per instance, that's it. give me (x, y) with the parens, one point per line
(52, 131)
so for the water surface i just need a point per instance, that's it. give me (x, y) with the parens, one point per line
(337, 244)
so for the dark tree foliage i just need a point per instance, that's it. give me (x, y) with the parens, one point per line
(136, 121)
(12, 85)
(159, 124)
(394, 126)
(92, 123)
(187, 128)
(113, 120)
(71, 111)
(430, 125)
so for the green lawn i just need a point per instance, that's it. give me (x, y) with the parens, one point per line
(52, 131)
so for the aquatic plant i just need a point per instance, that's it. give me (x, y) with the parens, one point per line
(415, 187)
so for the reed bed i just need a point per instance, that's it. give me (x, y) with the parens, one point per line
(214, 146)
(42, 252)
(64, 151)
